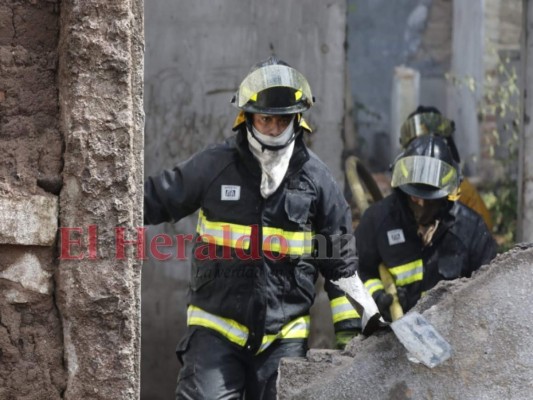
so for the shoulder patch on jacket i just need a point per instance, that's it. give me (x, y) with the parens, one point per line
(395, 236)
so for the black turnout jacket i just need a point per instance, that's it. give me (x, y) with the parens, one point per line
(388, 234)
(267, 281)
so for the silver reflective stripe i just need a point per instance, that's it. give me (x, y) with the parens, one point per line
(278, 240)
(230, 329)
(408, 273)
(297, 329)
(222, 234)
(373, 284)
(341, 308)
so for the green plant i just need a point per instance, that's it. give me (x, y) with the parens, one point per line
(499, 115)
(501, 199)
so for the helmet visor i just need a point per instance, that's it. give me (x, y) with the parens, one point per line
(272, 76)
(425, 124)
(425, 170)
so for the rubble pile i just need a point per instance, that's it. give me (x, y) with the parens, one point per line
(486, 319)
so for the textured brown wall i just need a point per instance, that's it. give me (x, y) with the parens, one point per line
(31, 349)
(71, 133)
(29, 133)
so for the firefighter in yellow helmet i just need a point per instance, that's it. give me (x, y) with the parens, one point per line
(428, 120)
(271, 217)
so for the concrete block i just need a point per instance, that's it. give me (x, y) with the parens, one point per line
(28, 221)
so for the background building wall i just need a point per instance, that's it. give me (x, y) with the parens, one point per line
(196, 55)
(381, 36)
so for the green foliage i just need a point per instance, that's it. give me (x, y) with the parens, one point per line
(499, 113)
(502, 102)
(501, 199)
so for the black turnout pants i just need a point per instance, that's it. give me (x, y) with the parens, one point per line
(216, 369)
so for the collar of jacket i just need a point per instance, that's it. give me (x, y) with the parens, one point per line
(300, 155)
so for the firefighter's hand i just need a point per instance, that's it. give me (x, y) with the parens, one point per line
(342, 338)
(401, 292)
(383, 301)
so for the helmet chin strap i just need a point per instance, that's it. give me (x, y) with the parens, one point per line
(272, 147)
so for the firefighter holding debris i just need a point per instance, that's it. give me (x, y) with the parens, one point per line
(271, 217)
(429, 120)
(417, 232)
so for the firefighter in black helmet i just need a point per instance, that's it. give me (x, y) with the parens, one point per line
(271, 217)
(417, 232)
(429, 120)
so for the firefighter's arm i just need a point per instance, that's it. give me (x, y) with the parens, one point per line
(483, 247)
(362, 301)
(346, 320)
(177, 192)
(337, 259)
(370, 261)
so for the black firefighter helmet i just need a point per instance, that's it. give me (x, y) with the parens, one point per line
(426, 169)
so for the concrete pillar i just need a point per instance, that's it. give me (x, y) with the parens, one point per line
(404, 100)
(525, 166)
(467, 64)
(100, 88)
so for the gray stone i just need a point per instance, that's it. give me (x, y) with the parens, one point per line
(28, 273)
(30, 220)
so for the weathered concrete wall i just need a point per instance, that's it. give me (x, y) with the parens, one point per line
(486, 319)
(100, 75)
(31, 348)
(196, 55)
(381, 36)
(525, 194)
(31, 143)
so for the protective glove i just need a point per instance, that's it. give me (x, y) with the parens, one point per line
(383, 301)
(343, 337)
(401, 292)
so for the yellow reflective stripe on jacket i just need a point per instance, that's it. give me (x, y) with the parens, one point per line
(373, 285)
(285, 242)
(342, 309)
(238, 236)
(224, 233)
(296, 329)
(408, 273)
(230, 329)
(238, 334)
